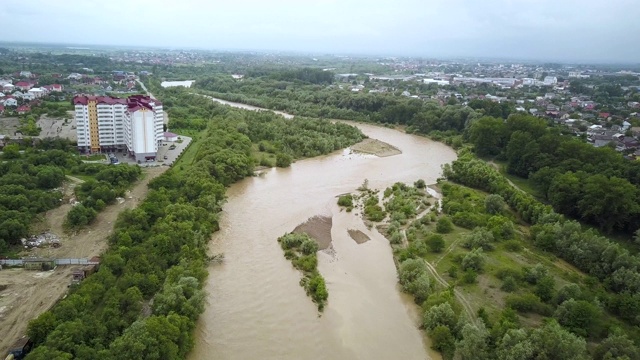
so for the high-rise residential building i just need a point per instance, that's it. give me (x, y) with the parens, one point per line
(105, 123)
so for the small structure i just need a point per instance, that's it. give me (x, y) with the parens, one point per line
(169, 136)
(39, 264)
(81, 274)
(20, 348)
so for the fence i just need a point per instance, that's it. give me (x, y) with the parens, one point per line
(20, 262)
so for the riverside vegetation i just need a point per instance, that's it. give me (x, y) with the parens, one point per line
(144, 300)
(487, 291)
(301, 250)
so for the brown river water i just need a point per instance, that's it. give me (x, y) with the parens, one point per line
(256, 308)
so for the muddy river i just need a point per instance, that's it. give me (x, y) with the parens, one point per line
(257, 310)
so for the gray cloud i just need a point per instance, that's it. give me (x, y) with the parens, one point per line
(567, 30)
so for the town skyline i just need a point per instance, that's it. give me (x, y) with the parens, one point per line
(546, 31)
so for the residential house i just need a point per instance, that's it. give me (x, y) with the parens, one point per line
(626, 125)
(24, 96)
(8, 88)
(10, 101)
(37, 92)
(26, 74)
(23, 109)
(24, 85)
(604, 115)
(5, 82)
(1, 109)
(1, 95)
(53, 87)
(550, 80)
(74, 76)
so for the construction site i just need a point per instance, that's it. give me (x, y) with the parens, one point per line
(52, 260)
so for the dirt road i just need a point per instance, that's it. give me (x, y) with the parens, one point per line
(30, 293)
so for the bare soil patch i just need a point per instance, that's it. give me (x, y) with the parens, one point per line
(57, 127)
(358, 236)
(376, 147)
(27, 295)
(30, 293)
(318, 228)
(9, 125)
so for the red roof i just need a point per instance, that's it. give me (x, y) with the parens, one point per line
(109, 100)
(604, 115)
(1, 107)
(134, 102)
(23, 83)
(24, 108)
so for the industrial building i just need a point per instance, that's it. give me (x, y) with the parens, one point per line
(109, 124)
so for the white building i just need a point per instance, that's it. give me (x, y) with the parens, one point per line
(550, 80)
(105, 123)
(10, 102)
(37, 92)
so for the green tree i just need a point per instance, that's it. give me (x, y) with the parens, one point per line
(545, 288)
(515, 345)
(488, 135)
(474, 344)
(439, 315)
(551, 341)
(494, 204)
(578, 316)
(617, 346)
(49, 177)
(474, 260)
(443, 341)
(11, 151)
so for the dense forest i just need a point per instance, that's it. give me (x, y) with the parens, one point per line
(330, 102)
(144, 301)
(596, 185)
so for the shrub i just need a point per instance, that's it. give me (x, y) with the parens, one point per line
(469, 276)
(283, 160)
(291, 240)
(513, 245)
(479, 238)
(474, 260)
(306, 263)
(444, 225)
(443, 341)
(345, 200)
(494, 204)
(420, 184)
(317, 289)
(509, 284)
(435, 243)
(309, 246)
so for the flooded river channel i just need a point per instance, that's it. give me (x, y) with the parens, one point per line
(257, 310)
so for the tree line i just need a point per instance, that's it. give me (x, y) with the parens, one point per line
(579, 180)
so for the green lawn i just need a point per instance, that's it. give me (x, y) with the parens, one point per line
(189, 155)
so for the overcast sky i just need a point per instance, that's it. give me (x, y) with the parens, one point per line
(566, 30)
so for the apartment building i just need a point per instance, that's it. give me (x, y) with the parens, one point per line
(107, 124)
